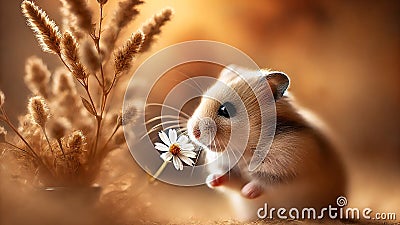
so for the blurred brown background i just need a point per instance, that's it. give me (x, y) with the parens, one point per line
(342, 56)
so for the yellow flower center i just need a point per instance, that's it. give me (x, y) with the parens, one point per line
(174, 149)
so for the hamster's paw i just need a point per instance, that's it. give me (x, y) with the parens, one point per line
(215, 180)
(252, 190)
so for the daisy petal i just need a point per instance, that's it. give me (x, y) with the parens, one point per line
(166, 156)
(186, 160)
(172, 135)
(177, 163)
(187, 147)
(161, 147)
(189, 154)
(183, 140)
(163, 136)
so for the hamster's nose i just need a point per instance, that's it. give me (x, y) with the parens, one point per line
(196, 132)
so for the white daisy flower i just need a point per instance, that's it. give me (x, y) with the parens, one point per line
(177, 149)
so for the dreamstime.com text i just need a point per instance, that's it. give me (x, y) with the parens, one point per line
(333, 212)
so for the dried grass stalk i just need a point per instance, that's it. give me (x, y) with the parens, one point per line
(76, 141)
(39, 110)
(63, 82)
(95, 131)
(153, 27)
(89, 56)
(69, 22)
(125, 13)
(70, 55)
(37, 76)
(79, 13)
(124, 56)
(46, 31)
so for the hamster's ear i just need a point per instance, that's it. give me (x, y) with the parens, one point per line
(279, 83)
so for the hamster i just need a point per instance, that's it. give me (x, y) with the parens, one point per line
(301, 168)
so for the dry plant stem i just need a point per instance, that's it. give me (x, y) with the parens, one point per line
(84, 84)
(112, 84)
(98, 80)
(47, 139)
(6, 120)
(105, 91)
(35, 155)
(104, 95)
(23, 150)
(97, 42)
(60, 144)
(112, 135)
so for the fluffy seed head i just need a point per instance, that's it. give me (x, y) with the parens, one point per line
(76, 141)
(89, 56)
(58, 127)
(37, 76)
(153, 27)
(80, 13)
(125, 13)
(46, 31)
(38, 110)
(128, 116)
(63, 82)
(124, 56)
(70, 55)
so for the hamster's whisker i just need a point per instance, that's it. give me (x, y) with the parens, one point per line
(222, 158)
(236, 157)
(216, 142)
(183, 130)
(183, 124)
(178, 118)
(164, 123)
(229, 173)
(229, 165)
(170, 107)
(167, 122)
(192, 80)
(174, 126)
(156, 127)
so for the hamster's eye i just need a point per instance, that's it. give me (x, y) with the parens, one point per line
(227, 110)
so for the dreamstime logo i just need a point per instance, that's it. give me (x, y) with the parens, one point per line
(154, 68)
(340, 211)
